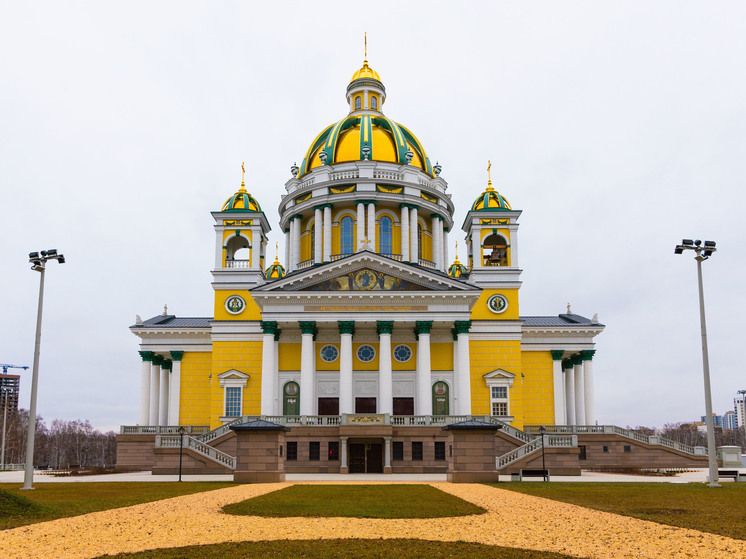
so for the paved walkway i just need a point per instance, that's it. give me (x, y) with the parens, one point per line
(512, 520)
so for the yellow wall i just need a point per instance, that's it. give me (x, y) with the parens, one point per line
(485, 357)
(441, 357)
(194, 401)
(539, 388)
(289, 357)
(245, 357)
(480, 310)
(250, 312)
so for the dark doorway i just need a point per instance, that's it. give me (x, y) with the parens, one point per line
(328, 406)
(366, 458)
(365, 405)
(403, 406)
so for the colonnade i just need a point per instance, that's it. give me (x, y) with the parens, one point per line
(160, 388)
(574, 402)
(366, 233)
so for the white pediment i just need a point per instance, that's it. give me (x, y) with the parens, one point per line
(499, 377)
(233, 378)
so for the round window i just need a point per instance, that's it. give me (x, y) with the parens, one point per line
(329, 353)
(366, 353)
(402, 353)
(235, 304)
(497, 304)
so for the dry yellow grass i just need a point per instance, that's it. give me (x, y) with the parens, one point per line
(512, 520)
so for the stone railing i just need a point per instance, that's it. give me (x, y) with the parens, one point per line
(387, 175)
(426, 263)
(614, 430)
(344, 175)
(305, 264)
(199, 447)
(533, 446)
(162, 429)
(238, 263)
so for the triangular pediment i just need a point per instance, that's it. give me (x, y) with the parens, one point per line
(367, 272)
(499, 376)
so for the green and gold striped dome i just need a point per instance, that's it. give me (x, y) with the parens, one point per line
(241, 201)
(490, 199)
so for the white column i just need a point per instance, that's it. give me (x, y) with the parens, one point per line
(404, 230)
(327, 233)
(295, 248)
(590, 403)
(155, 385)
(360, 226)
(163, 404)
(424, 403)
(437, 239)
(372, 227)
(386, 454)
(464, 373)
(579, 392)
(307, 355)
(413, 246)
(256, 247)
(145, 388)
(174, 389)
(559, 388)
(456, 388)
(287, 248)
(291, 264)
(446, 263)
(219, 249)
(569, 394)
(276, 408)
(346, 403)
(268, 368)
(385, 374)
(318, 231)
(343, 455)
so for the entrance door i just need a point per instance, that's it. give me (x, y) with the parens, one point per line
(440, 398)
(328, 406)
(365, 405)
(365, 458)
(291, 399)
(403, 406)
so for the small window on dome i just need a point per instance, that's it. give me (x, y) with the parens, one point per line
(358, 103)
(374, 103)
(346, 236)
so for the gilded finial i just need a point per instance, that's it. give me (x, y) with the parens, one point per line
(276, 250)
(456, 260)
(243, 172)
(568, 309)
(366, 47)
(489, 175)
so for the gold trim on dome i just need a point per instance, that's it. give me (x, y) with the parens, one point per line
(389, 189)
(429, 198)
(342, 189)
(237, 222)
(494, 221)
(300, 199)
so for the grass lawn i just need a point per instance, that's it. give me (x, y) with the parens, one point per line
(342, 549)
(59, 500)
(361, 501)
(688, 505)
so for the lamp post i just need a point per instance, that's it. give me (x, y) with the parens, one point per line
(38, 264)
(543, 430)
(702, 253)
(6, 395)
(181, 447)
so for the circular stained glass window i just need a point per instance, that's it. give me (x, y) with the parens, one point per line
(329, 353)
(366, 353)
(402, 353)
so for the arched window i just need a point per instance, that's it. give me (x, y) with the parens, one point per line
(346, 240)
(237, 249)
(358, 103)
(374, 103)
(313, 241)
(291, 398)
(419, 241)
(385, 233)
(495, 250)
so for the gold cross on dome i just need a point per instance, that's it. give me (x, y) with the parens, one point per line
(243, 172)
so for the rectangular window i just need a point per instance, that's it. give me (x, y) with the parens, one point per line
(499, 409)
(292, 450)
(582, 450)
(416, 450)
(233, 401)
(627, 448)
(397, 449)
(499, 391)
(440, 450)
(499, 401)
(333, 450)
(314, 450)
(606, 449)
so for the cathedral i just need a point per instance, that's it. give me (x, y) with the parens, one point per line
(367, 321)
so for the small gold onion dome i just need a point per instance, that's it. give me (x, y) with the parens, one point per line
(366, 72)
(276, 270)
(490, 199)
(241, 201)
(457, 269)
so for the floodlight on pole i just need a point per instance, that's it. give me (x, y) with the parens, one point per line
(38, 264)
(702, 253)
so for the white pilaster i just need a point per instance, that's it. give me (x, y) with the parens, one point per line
(268, 372)
(155, 385)
(327, 233)
(256, 247)
(424, 403)
(385, 375)
(590, 403)
(413, 243)
(570, 395)
(276, 407)
(360, 226)
(287, 249)
(579, 393)
(343, 455)
(345, 374)
(559, 389)
(318, 236)
(386, 454)
(464, 374)
(371, 227)
(307, 365)
(456, 388)
(174, 391)
(163, 404)
(446, 263)
(144, 393)
(437, 239)
(404, 226)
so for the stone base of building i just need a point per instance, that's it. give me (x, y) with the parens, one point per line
(258, 477)
(473, 477)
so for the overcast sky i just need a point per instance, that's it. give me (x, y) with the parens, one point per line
(618, 128)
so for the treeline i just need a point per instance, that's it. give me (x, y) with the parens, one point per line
(59, 445)
(688, 433)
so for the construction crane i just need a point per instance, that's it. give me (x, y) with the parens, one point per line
(6, 366)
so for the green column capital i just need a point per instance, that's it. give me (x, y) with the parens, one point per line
(587, 354)
(557, 354)
(278, 331)
(157, 360)
(462, 326)
(576, 359)
(454, 334)
(423, 326)
(567, 363)
(146, 355)
(346, 327)
(268, 326)
(167, 364)
(307, 327)
(384, 327)
(177, 355)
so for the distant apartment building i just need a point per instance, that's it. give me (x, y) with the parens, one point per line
(9, 386)
(729, 420)
(739, 409)
(717, 420)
